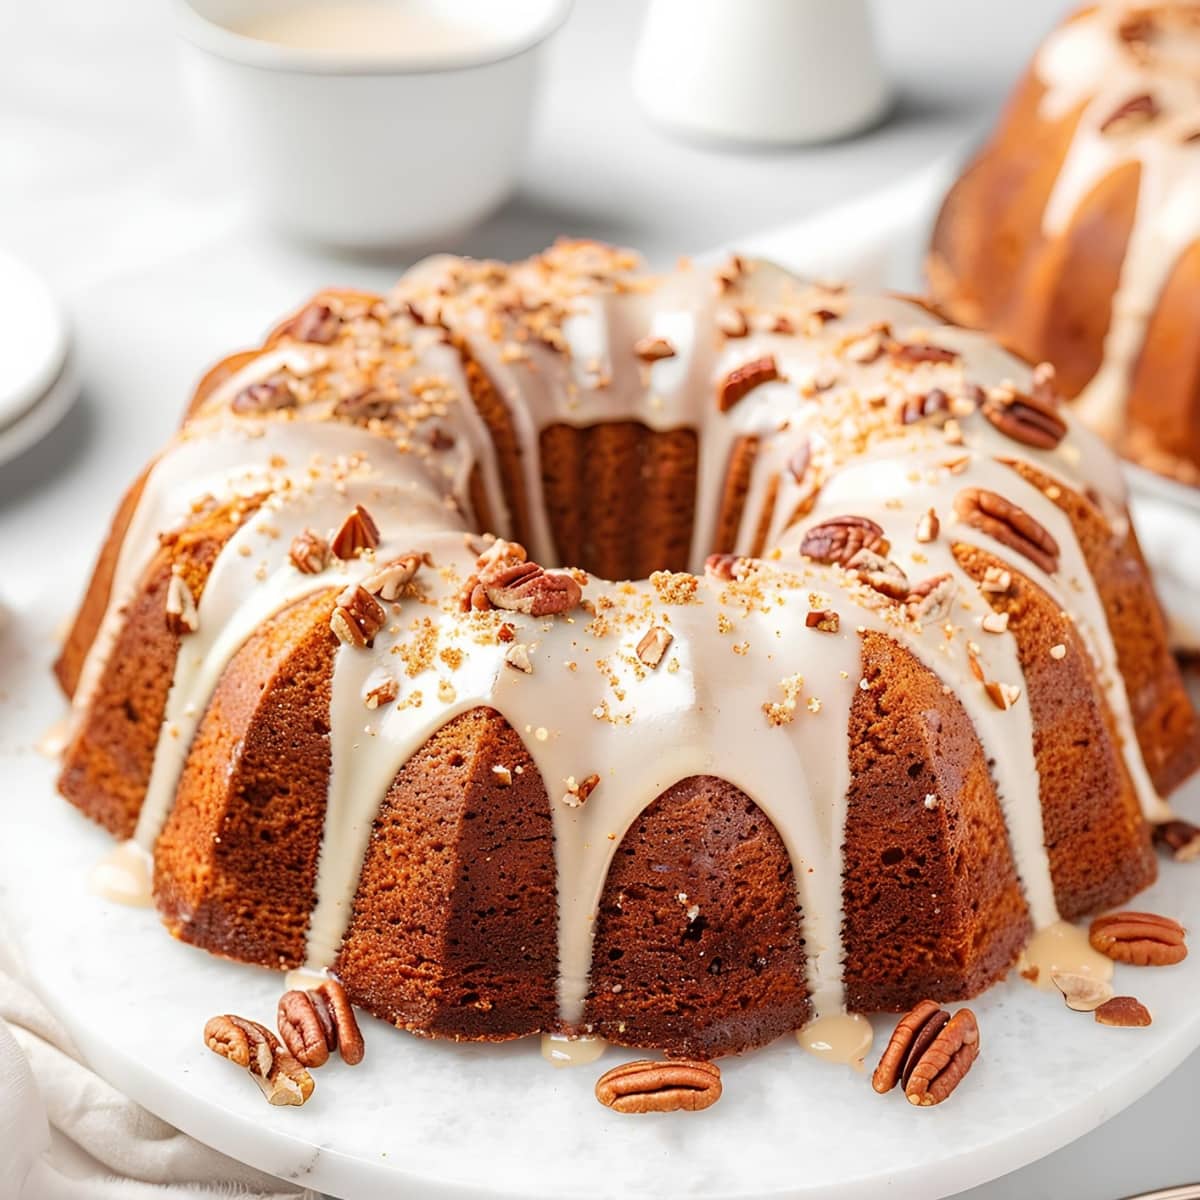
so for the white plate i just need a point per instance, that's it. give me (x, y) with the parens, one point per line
(37, 386)
(438, 1120)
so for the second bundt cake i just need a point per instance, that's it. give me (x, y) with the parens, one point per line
(1074, 236)
(885, 688)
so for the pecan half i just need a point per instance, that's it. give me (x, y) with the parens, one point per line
(651, 349)
(654, 645)
(358, 617)
(928, 1053)
(524, 587)
(315, 1022)
(1137, 110)
(646, 1086)
(358, 532)
(389, 582)
(1180, 839)
(364, 406)
(932, 599)
(180, 607)
(268, 395)
(1143, 939)
(316, 323)
(1124, 1012)
(880, 573)
(839, 539)
(309, 552)
(741, 381)
(1009, 524)
(1032, 420)
(248, 1044)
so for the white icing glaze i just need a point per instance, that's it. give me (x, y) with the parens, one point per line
(843, 1038)
(738, 648)
(1086, 67)
(1061, 948)
(561, 1051)
(124, 875)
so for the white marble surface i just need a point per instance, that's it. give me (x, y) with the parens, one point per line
(100, 188)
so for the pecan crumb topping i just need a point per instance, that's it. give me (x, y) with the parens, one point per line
(823, 619)
(651, 349)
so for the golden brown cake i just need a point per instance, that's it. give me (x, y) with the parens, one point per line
(884, 690)
(1074, 236)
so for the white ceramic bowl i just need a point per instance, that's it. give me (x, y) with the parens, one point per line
(365, 150)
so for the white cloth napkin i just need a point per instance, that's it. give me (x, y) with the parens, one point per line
(65, 1134)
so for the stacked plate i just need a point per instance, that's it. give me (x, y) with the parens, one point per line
(37, 386)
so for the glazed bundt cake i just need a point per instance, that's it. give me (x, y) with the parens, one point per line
(1074, 236)
(885, 687)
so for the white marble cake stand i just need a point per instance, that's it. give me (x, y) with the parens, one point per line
(427, 1119)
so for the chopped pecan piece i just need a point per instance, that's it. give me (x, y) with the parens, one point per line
(309, 552)
(823, 619)
(1137, 110)
(653, 645)
(1031, 420)
(314, 1022)
(577, 792)
(1124, 1012)
(381, 689)
(358, 617)
(1180, 839)
(316, 323)
(1083, 993)
(729, 566)
(741, 381)
(517, 657)
(1143, 939)
(799, 460)
(268, 395)
(389, 582)
(928, 1054)
(248, 1044)
(880, 573)
(181, 605)
(932, 599)
(364, 406)
(1008, 524)
(732, 323)
(651, 349)
(839, 539)
(673, 1086)
(358, 532)
(928, 526)
(932, 403)
(911, 353)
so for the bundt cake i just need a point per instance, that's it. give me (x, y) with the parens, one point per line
(885, 687)
(1074, 236)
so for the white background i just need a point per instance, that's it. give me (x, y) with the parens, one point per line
(100, 184)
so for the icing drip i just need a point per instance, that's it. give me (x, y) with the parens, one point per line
(561, 1051)
(844, 1038)
(743, 668)
(123, 875)
(1086, 66)
(1061, 948)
